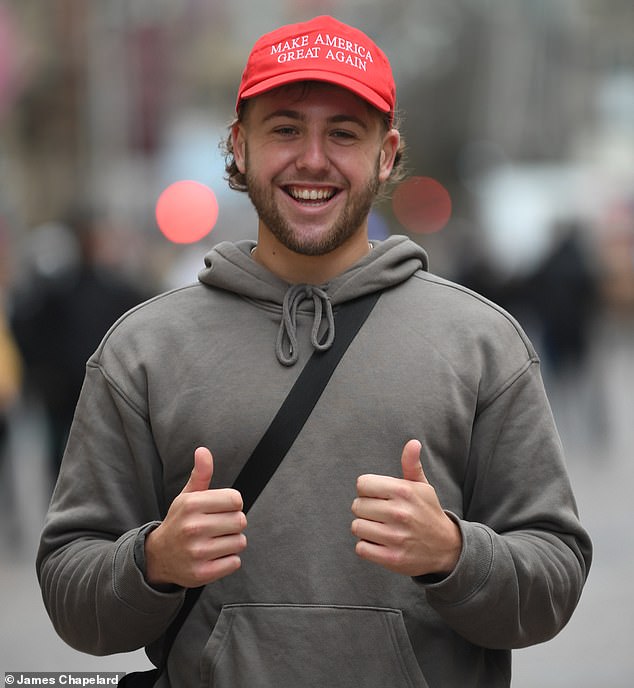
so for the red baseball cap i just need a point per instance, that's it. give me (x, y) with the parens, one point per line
(322, 49)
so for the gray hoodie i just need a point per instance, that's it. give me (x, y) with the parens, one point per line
(209, 365)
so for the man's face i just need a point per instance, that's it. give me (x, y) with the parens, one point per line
(314, 158)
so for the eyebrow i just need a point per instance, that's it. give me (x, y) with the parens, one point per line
(335, 119)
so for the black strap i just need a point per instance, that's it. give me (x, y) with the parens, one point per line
(285, 427)
(299, 403)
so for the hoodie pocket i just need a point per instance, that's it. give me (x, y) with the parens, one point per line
(313, 646)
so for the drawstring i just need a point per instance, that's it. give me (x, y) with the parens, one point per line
(287, 334)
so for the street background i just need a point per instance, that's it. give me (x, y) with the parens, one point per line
(520, 111)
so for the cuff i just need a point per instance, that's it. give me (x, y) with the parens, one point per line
(139, 544)
(128, 576)
(472, 570)
(139, 555)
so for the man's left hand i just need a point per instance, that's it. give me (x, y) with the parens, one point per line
(400, 523)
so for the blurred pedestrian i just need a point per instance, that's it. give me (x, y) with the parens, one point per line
(60, 316)
(10, 373)
(563, 294)
(422, 523)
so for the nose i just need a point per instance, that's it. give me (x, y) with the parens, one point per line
(313, 155)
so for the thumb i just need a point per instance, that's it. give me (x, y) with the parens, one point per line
(410, 461)
(200, 477)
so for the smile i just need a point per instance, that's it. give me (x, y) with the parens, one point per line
(310, 194)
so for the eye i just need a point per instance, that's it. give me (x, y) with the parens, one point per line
(344, 135)
(285, 130)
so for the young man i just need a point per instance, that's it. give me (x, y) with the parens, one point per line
(422, 524)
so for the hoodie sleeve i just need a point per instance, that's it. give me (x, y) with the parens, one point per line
(525, 555)
(109, 487)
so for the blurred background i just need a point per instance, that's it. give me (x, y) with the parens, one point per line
(519, 120)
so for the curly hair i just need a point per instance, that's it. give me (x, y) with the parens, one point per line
(238, 182)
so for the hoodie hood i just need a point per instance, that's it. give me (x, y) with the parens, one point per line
(229, 266)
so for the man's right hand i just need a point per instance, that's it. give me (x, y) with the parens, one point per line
(201, 537)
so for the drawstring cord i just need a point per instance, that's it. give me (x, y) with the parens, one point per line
(286, 345)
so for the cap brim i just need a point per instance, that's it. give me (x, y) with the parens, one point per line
(353, 85)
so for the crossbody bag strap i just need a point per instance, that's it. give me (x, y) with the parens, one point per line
(285, 427)
(299, 403)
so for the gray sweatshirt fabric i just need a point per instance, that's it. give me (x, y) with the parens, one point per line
(209, 365)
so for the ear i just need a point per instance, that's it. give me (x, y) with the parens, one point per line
(239, 146)
(389, 149)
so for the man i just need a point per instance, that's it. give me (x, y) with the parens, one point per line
(422, 524)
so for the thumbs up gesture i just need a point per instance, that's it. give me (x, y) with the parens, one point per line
(400, 523)
(201, 537)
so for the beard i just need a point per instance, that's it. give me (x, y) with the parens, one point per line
(352, 217)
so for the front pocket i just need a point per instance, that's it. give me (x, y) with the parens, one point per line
(309, 646)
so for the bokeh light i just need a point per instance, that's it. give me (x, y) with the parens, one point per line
(422, 205)
(186, 211)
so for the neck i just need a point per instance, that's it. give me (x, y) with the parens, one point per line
(296, 268)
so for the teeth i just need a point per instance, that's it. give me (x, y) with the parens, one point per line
(311, 194)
